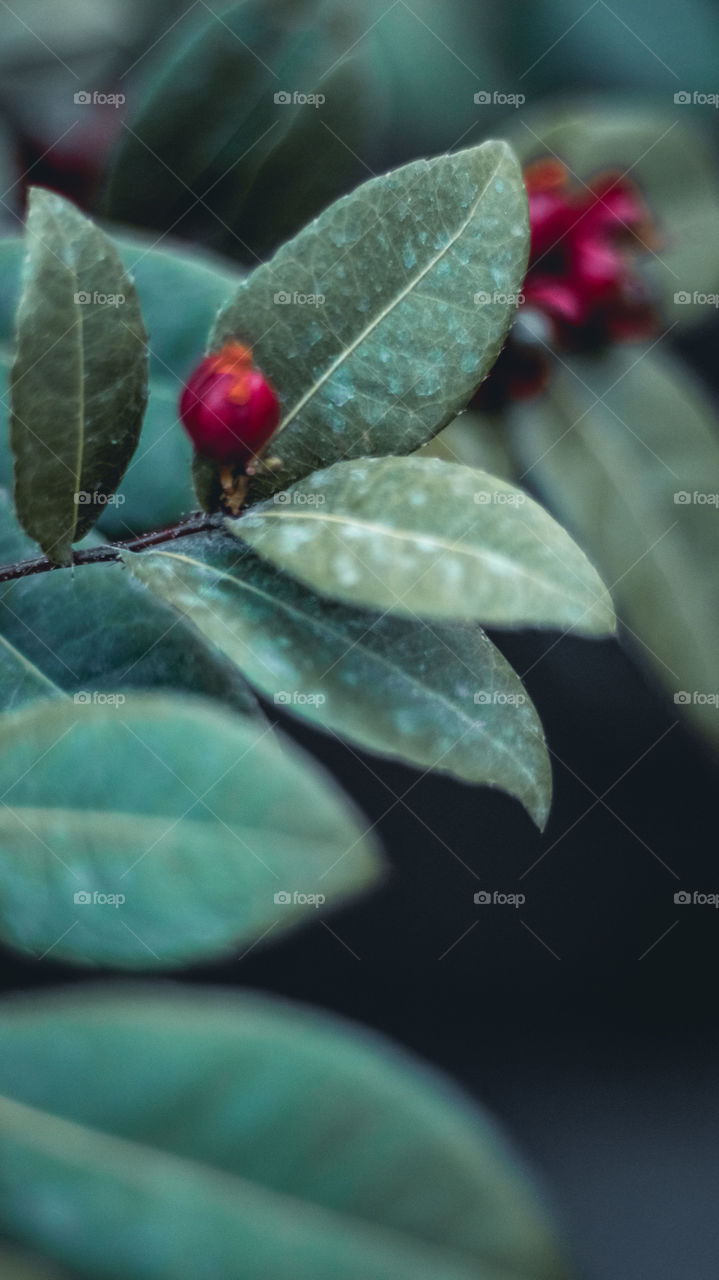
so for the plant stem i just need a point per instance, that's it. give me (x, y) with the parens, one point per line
(196, 523)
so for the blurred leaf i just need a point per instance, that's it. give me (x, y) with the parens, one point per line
(612, 469)
(232, 1137)
(476, 440)
(156, 489)
(214, 151)
(668, 153)
(419, 536)
(79, 381)
(19, 1265)
(398, 344)
(439, 697)
(93, 629)
(197, 817)
(660, 47)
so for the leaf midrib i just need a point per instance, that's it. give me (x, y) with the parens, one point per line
(346, 352)
(92, 1150)
(379, 658)
(485, 555)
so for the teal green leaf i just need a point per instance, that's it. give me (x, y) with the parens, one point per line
(428, 538)
(79, 380)
(439, 697)
(174, 821)
(670, 155)
(232, 1137)
(625, 448)
(395, 343)
(92, 631)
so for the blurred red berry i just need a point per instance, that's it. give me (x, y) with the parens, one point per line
(581, 291)
(228, 407)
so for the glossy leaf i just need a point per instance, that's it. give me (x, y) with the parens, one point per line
(428, 538)
(79, 381)
(394, 343)
(439, 697)
(194, 817)
(156, 489)
(92, 631)
(626, 450)
(232, 1137)
(670, 155)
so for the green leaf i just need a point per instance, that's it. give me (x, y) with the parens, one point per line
(180, 295)
(91, 631)
(398, 344)
(194, 816)
(626, 450)
(79, 381)
(428, 538)
(439, 697)
(214, 152)
(233, 1137)
(670, 155)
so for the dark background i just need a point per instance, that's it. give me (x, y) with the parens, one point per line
(587, 1018)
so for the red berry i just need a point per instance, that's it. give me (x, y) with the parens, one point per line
(228, 408)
